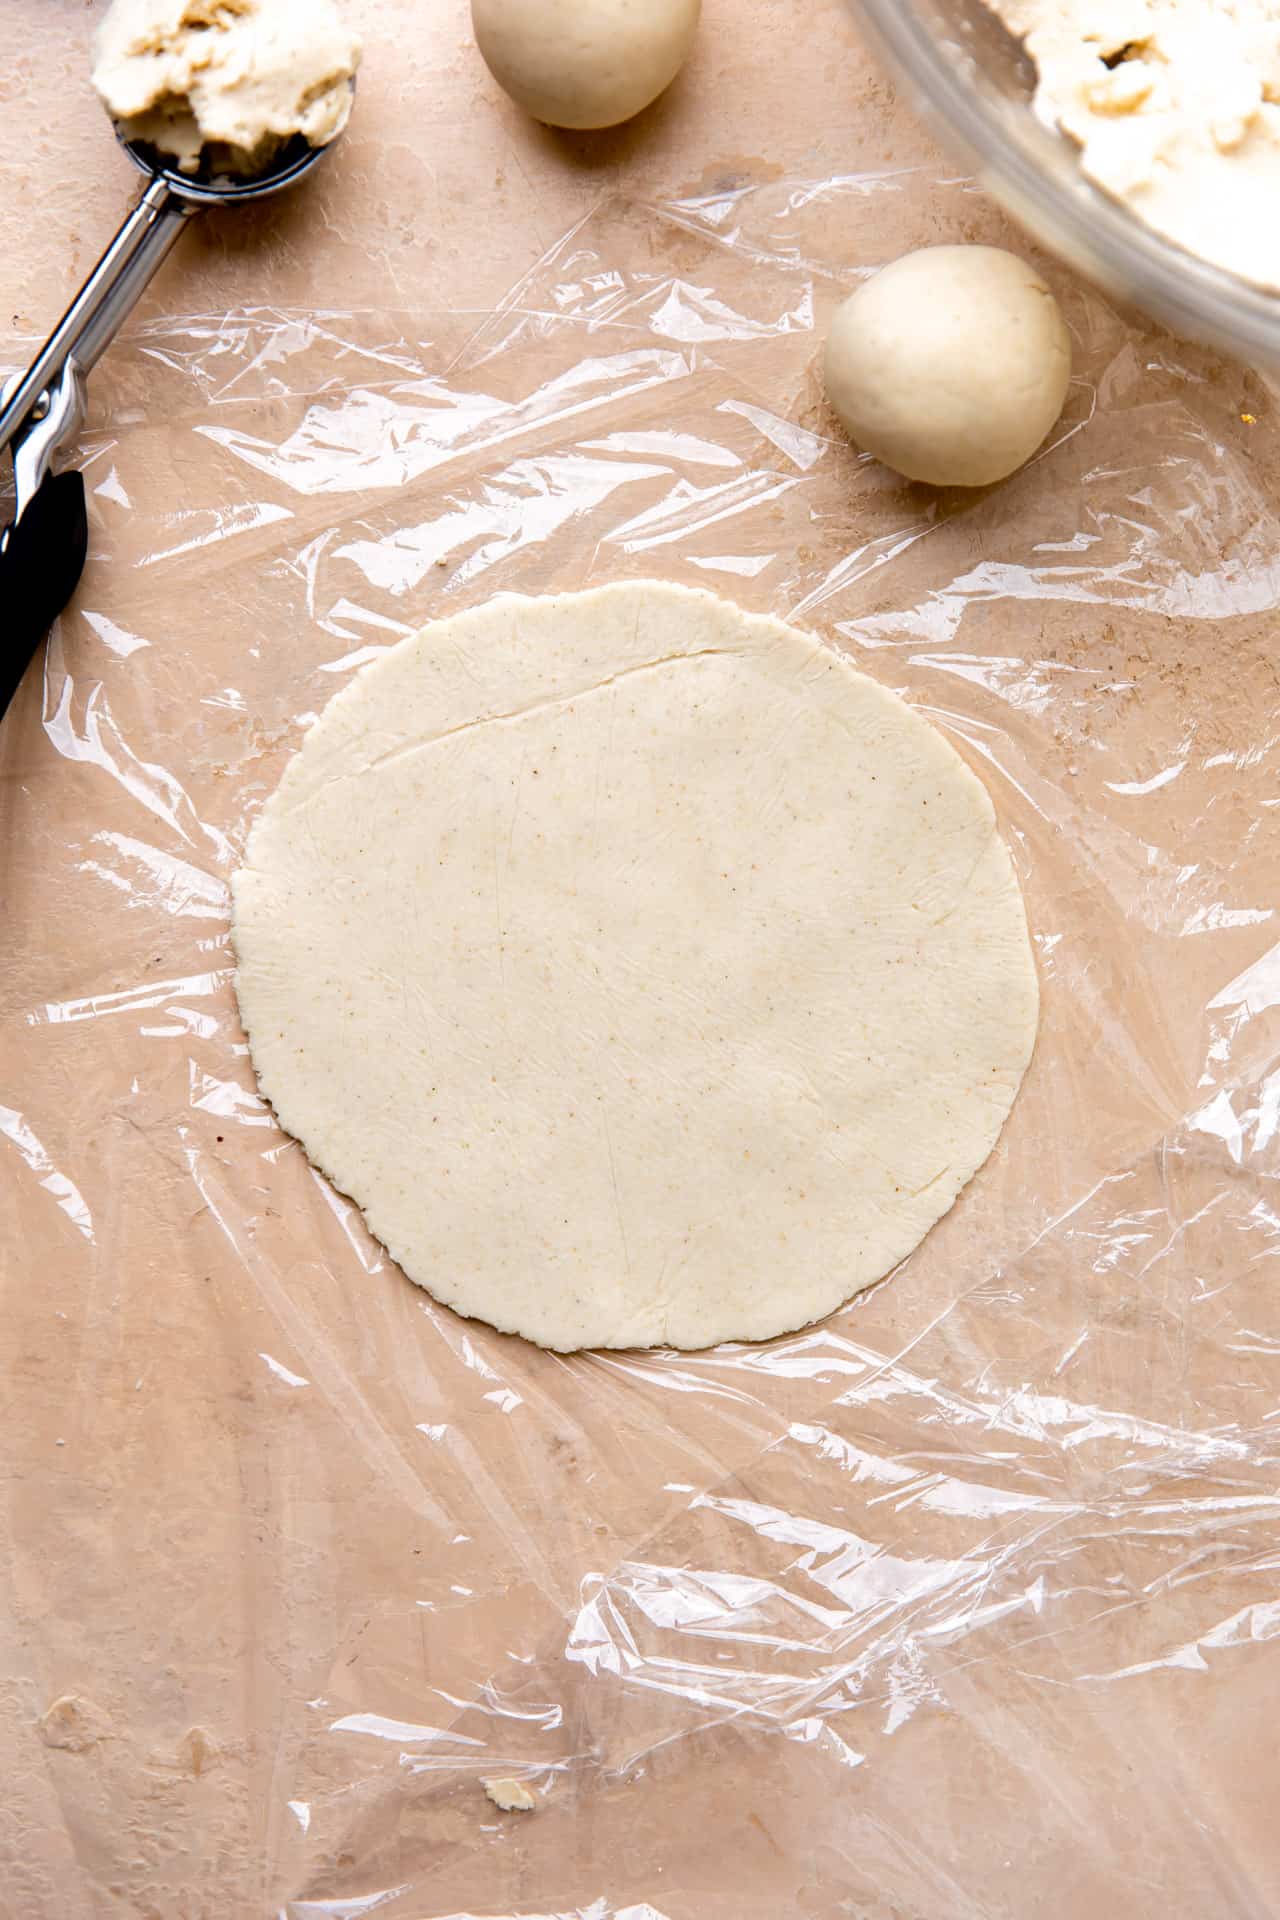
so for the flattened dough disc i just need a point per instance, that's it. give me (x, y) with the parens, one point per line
(644, 972)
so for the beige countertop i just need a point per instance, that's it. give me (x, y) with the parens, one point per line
(962, 1603)
(445, 189)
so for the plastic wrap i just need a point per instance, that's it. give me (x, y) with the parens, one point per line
(963, 1602)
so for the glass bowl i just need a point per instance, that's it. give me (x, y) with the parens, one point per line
(974, 78)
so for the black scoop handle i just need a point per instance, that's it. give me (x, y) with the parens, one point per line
(40, 564)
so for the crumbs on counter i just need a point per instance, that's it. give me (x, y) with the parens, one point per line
(511, 1796)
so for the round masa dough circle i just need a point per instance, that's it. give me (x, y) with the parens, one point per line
(950, 365)
(646, 974)
(584, 64)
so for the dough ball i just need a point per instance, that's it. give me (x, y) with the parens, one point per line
(584, 63)
(951, 365)
(226, 85)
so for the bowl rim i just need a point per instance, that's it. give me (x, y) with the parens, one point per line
(1095, 232)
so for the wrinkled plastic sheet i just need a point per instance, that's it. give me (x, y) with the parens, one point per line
(964, 1602)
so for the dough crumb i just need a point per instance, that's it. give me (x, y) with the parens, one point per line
(511, 1795)
(198, 1751)
(72, 1723)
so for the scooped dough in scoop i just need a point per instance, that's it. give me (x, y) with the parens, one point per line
(644, 972)
(225, 81)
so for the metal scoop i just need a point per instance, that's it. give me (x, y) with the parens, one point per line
(42, 550)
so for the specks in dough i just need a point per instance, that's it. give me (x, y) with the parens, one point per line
(645, 973)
